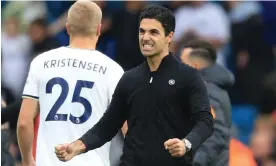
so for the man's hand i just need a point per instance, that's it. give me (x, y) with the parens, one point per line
(176, 147)
(66, 152)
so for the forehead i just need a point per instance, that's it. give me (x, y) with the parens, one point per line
(148, 24)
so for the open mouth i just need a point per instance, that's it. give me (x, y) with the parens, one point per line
(147, 46)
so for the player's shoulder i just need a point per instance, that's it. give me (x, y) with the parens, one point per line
(114, 66)
(40, 58)
(187, 68)
(135, 73)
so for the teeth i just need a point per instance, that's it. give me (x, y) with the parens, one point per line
(147, 46)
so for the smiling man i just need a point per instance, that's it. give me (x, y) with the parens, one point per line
(164, 102)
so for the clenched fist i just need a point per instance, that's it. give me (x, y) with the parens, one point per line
(176, 147)
(64, 152)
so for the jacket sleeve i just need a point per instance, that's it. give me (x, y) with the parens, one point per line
(200, 112)
(211, 148)
(112, 120)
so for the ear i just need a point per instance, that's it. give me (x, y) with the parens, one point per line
(170, 36)
(67, 28)
(99, 30)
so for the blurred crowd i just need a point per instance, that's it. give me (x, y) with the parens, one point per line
(244, 34)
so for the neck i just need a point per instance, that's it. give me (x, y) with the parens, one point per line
(155, 61)
(83, 43)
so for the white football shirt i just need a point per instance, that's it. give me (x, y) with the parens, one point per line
(74, 88)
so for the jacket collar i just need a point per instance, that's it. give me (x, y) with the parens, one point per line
(165, 62)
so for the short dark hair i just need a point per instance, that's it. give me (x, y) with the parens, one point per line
(201, 53)
(202, 44)
(161, 14)
(39, 22)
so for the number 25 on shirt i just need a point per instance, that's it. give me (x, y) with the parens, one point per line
(53, 115)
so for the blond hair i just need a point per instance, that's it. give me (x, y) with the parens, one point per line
(84, 17)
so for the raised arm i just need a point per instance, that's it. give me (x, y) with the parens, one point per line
(111, 122)
(107, 127)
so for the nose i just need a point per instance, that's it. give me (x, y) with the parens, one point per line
(146, 36)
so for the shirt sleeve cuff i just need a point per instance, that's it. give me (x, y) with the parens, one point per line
(83, 140)
(30, 97)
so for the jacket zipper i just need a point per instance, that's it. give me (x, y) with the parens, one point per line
(151, 78)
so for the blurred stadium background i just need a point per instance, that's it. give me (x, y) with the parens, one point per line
(244, 34)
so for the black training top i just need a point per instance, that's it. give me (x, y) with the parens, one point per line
(171, 102)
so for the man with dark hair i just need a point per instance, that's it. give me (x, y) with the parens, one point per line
(164, 102)
(201, 55)
(41, 40)
(201, 44)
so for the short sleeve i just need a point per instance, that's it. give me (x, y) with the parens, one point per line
(114, 78)
(31, 85)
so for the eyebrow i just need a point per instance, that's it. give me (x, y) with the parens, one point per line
(155, 30)
(152, 30)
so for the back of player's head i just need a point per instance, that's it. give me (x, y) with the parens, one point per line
(202, 44)
(84, 18)
(161, 14)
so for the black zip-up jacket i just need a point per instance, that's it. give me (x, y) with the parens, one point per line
(171, 102)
